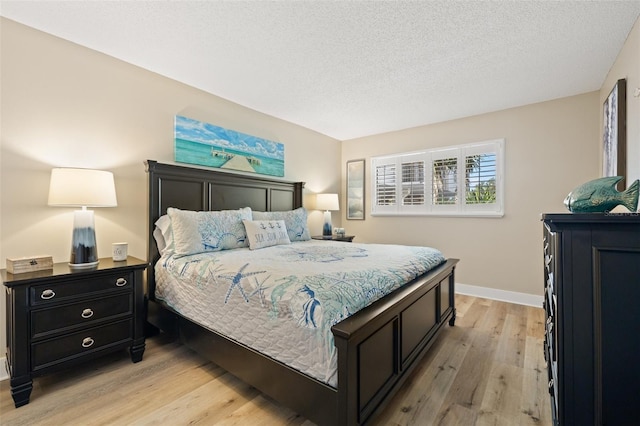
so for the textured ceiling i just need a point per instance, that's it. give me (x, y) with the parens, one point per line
(351, 69)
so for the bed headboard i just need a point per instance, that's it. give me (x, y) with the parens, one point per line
(191, 188)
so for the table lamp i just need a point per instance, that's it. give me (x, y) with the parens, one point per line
(82, 188)
(327, 202)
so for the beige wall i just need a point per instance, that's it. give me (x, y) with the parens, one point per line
(67, 106)
(627, 65)
(550, 148)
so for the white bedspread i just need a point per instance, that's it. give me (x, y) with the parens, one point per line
(283, 300)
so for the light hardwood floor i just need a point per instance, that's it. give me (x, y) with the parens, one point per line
(487, 370)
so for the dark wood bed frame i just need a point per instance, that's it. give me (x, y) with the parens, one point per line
(378, 347)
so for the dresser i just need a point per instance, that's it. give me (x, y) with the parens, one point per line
(58, 318)
(592, 305)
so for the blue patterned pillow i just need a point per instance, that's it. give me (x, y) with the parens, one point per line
(197, 232)
(295, 221)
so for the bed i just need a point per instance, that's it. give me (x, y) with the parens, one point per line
(376, 348)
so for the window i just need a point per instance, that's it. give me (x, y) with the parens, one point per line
(464, 180)
(386, 184)
(480, 185)
(413, 183)
(445, 181)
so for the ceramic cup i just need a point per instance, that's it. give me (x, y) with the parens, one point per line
(119, 251)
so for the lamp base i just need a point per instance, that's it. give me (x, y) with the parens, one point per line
(83, 244)
(326, 228)
(83, 266)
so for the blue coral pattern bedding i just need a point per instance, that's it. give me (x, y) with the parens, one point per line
(283, 300)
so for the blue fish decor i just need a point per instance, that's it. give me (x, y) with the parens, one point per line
(601, 195)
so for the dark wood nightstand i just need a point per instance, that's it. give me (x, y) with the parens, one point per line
(58, 318)
(347, 238)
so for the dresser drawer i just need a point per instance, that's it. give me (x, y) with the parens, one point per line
(74, 345)
(75, 288)
(60, 318)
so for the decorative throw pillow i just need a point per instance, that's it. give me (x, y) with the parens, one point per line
(295, 221)
(266, 233)
(197, 232)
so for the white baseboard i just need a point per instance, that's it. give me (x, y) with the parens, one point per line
(502, 295)
(4, 374)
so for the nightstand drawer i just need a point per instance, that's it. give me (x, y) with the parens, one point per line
(49, 352)
(75, 288)
(47, 321)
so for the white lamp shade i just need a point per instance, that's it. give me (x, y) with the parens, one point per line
(327, 202)
(82, 188)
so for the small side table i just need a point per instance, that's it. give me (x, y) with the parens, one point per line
(60, 317)
(345, 238)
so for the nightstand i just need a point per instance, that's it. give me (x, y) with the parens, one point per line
(58, 318)
(346, 238)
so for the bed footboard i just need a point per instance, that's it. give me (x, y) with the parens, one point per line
(380, 346)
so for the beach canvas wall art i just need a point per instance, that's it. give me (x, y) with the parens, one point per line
(204, 144)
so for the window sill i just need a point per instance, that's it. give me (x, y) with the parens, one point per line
(445, 214)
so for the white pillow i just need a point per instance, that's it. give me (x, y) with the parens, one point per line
(266, 233)
(163, 234)
(295, 220)
(197, 232)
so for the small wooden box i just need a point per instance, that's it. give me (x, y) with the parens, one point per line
(29, 264)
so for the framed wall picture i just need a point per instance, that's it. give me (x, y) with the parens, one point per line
(205, 144)
(355, 189)
(614, 134)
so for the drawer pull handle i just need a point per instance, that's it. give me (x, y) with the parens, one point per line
(47, 294)
(87, 342)
(121, 282)
(87, 313)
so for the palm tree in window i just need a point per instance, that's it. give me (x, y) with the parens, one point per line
(480, 179)
(445, 181)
